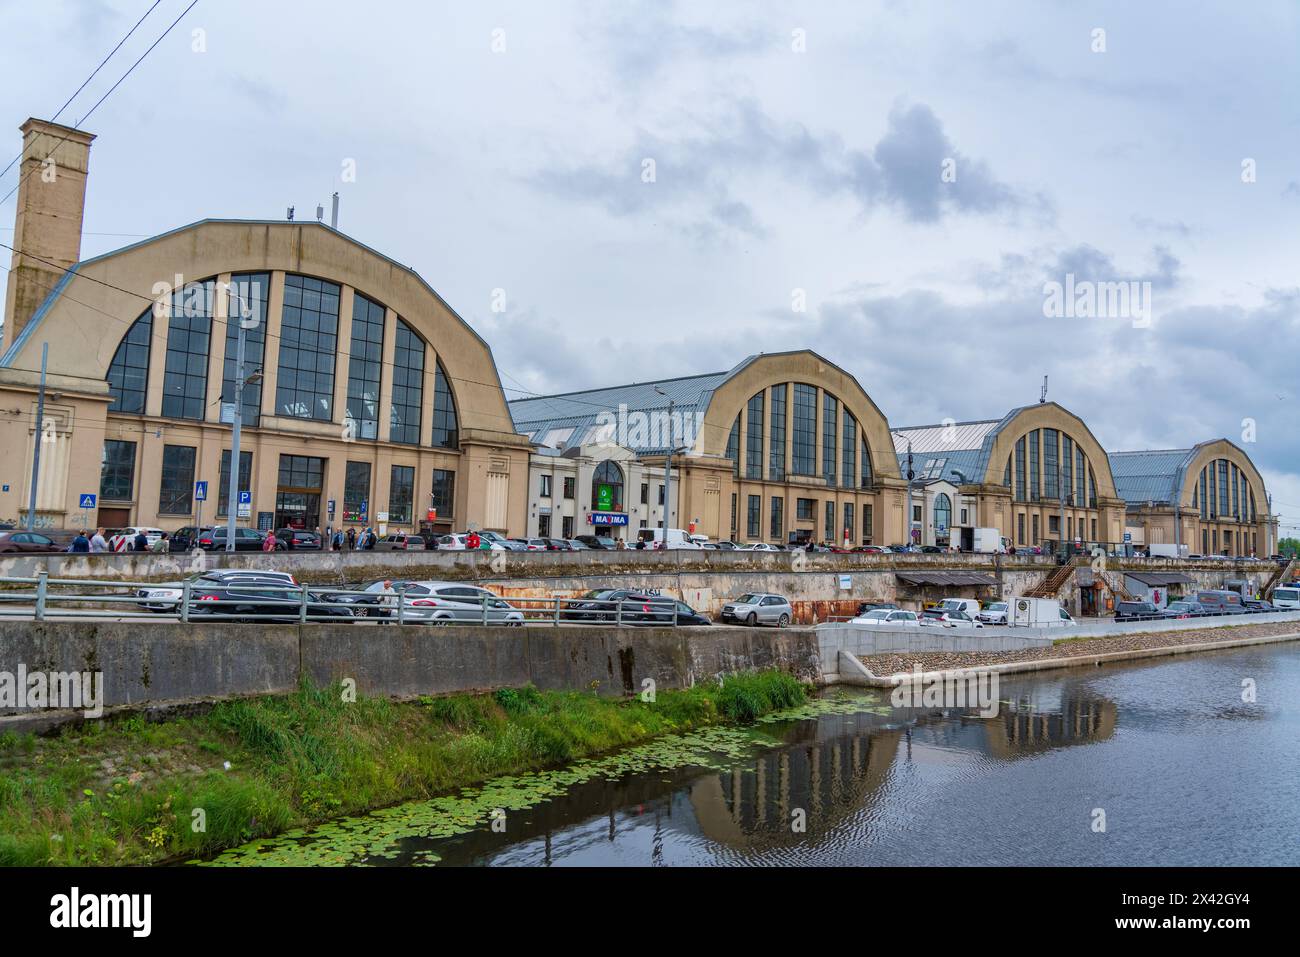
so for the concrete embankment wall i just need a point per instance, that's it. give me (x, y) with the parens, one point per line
(166, 662)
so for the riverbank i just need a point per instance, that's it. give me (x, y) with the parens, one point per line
(128, 791)
(1065, 648)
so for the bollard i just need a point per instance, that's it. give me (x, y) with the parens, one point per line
(42, 587)
(557, 612)
(185, 600)
(302, 609)
(485, 607)
(618, 613)
(401, 603)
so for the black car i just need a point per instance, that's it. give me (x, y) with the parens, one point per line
(615, 604)
(596, 541)
(1137, 611)
(213, 539)
(866, 606)
(301, 539)
(557, 545)
(1259, 605)
(260, 600)
(1186, 608)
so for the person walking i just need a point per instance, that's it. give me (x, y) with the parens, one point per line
(269, 543)
(472, 541)
(141, 543)
(352, 539)
(163, 546)
(98, 543)
(388, 601)
(80, 544)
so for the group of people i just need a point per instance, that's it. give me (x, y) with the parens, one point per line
(351, 540)
(87, 541)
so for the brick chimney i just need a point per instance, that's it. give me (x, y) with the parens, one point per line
(47, 224)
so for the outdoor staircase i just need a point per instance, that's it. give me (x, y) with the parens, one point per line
(1283, 574)
(1051, 586)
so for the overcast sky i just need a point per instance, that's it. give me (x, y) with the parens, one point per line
(798, 151)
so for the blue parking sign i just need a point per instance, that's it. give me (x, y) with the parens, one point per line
(245, 498)
(87, 500)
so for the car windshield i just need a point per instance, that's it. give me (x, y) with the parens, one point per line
(877, 615)
(998, 606)
(747, 600)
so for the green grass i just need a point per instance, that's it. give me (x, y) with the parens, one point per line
(311, 756)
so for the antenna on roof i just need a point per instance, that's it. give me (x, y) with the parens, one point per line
(1042, 395)
(289, 214)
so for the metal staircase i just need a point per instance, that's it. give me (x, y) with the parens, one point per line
(1051, 586)
(1282, 575)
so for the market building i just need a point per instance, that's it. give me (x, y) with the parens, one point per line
(368, 400)
(782, 448)
(1209, 498)
(1037, 474)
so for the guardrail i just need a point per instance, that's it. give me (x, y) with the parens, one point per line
(260, 601)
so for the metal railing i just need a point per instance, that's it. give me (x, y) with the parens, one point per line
(256, 602)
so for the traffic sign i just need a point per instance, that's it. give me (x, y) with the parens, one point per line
(201, 491)
(87, 500)
(245, 498)
(1128, 536)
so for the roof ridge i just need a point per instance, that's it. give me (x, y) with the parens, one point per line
(611, 388)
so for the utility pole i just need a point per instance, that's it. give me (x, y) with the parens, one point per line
(668, 468)
(1060, 500)
(237, 420)
(40, 435)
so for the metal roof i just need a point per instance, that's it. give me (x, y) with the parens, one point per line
(946, 578)
(1153, 476)
(944, 437)
(580, 411)
(1154, 579)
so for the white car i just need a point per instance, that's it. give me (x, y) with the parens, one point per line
(887, 618)
(456, 543)
(123, 540)
(446, 603)
(948, 619)
(994, 613)
(759, 547)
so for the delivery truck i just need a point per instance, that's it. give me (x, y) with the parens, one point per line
(987, 540)
(1038, 613)
(1168, 551)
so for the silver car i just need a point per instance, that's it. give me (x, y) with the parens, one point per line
(759, 609)
(446, 603)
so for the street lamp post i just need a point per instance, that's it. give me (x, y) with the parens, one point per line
(910, 475)
(668, 467)
(237, 419)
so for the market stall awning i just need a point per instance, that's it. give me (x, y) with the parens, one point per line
(947, 578)
(1155, 579)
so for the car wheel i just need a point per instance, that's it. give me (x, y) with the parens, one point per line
(752, 620)
(783, 621)
(363, 612)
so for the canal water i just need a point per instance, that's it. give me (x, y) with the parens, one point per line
(1165, 763)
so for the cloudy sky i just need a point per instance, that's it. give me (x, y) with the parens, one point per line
(661, 189)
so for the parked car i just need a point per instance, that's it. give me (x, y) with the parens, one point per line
(28, 542)
(726, 545)
(497, 539)
(968, 605)
(759, 547)
(213, 539)
(166, 596)
(1221, 602)
(400, 542)
(759, 609)
(871, 549)
(597, 541)
(534, 544)
(123, 539)
(937, 617)
(1137, 611)
(1286, 597)
(932, 549)
(686, 615)
(1186, 609)
(1259, 605)
(446, 603)
(887, 618)
(866, 606)
(455, 542)
(613, 604)
(994, 613)
(577, 546)
(558, 544)
(259, 599)
(302, 540)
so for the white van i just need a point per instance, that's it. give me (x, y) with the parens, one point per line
(969, 605)
(1286, 596)
(671, 538)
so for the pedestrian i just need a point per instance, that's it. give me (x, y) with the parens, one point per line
(640, 544)
(97, 541)
(141, 543)
(162, 546)
(80, 544)
(269, 543)
(622, 545)
(352, 539)
(388, 600)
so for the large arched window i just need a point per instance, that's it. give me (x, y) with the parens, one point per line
(942, 514)
(408, 386)
(445, 433)
(867, 477)
(128, 376)
(309, 325)
(189, 342)
(364, 364)
(246, 307)
(607, 488)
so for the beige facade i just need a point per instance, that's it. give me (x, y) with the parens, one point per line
(306, 281)
(1218, 507)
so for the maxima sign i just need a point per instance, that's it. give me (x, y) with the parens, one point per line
(607, 518)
